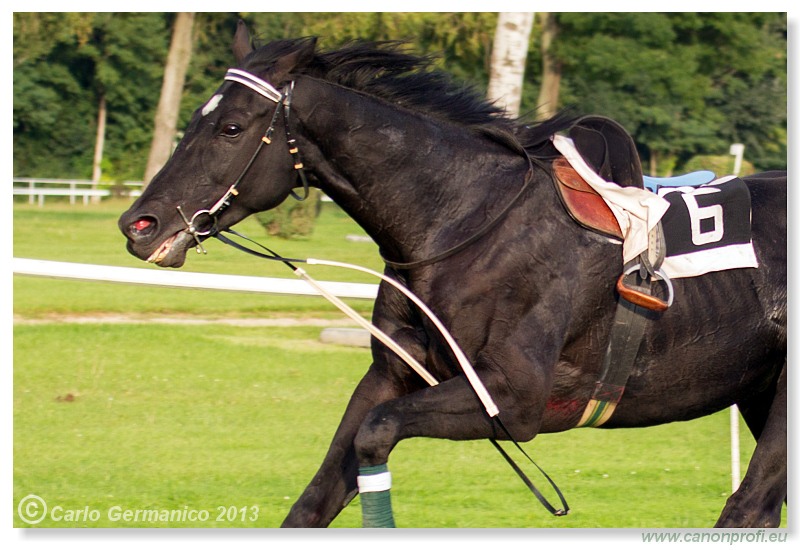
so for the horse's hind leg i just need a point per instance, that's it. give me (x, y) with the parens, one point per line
(760, 497)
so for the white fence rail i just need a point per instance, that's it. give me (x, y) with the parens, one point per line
(187, 279)
(85, 189)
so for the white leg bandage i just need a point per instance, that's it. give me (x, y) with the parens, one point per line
(375, 483)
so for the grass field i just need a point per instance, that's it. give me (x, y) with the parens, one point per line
(232, 422)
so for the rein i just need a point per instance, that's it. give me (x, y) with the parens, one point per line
(482, 232)
(283, 101)
(472, 377)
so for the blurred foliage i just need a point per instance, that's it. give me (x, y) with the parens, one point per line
(683, 84)
(63, 64)
(292, 218)
(721, 165)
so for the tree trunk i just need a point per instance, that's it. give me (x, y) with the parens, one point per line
(180, 52)
(547, 104)
(509, 51)
(99, 143)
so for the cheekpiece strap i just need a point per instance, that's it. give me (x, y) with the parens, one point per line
(261, 87)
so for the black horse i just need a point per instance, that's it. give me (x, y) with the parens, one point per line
(462, 202)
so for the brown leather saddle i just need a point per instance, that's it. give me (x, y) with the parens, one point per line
(611, 152)
(582, 202)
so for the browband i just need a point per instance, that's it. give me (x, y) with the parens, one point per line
(261, 87)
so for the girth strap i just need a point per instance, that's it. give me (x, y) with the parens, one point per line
(627, 331)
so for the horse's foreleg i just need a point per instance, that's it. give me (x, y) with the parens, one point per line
(334, 485)
(760, 497)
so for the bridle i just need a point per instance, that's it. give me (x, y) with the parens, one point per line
(207, 217)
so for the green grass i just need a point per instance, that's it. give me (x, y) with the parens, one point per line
(150, 417)
(199, 417)
(144, 417)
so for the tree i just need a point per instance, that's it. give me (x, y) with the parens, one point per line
(460, 43)
(99, 143)
(682, 83)
(747, 54)
(169, 103)
(673, 79)
(64, 65)
(49, 95)
(509, 52)
(547, 103)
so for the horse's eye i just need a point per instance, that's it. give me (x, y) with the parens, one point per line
(231, 130)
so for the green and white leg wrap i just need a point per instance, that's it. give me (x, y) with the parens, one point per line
(374, 484)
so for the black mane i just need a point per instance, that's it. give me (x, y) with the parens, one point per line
(388, 71)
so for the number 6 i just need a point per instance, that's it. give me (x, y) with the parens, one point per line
(698, 213)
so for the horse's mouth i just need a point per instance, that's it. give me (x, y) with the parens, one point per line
(161, 252)
(172, 252)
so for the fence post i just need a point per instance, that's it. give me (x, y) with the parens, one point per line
(737, 150)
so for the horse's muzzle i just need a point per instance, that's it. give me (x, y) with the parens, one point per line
(147, 241)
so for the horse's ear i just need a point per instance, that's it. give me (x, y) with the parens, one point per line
(241, 42)
(297, 59)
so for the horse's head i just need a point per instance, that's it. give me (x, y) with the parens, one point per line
(210, 181)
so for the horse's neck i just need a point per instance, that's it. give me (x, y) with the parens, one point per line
(405, 178)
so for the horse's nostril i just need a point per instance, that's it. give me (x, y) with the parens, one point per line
(142, 226)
